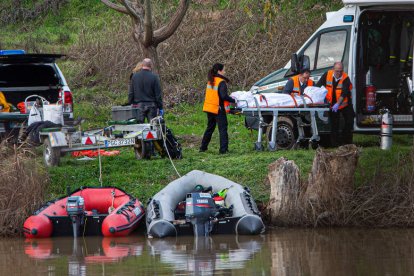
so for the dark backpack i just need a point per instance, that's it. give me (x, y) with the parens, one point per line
(173, 146)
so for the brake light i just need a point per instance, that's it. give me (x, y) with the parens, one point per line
(68, 101)
(68, 97)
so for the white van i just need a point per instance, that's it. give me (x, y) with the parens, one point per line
(374, 41)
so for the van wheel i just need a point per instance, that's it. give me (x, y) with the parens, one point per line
(51, 155)
(142, 150)
(285, 135)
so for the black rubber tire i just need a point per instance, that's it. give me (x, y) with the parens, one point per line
(51, 156)
(314, 144)
(286, 134)
(142, 150)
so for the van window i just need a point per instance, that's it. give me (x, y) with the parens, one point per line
(331, 48)
(311, 53)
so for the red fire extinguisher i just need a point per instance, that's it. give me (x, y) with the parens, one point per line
(370, 96)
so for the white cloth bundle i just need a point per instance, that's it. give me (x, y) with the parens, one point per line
(314, 96)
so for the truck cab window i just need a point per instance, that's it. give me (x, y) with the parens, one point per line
(311, 53)
(331, 48)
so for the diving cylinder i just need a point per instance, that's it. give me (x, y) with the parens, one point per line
(386, 129)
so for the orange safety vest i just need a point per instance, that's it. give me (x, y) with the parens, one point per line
(212, 99)
(296, 84)
(338, 90)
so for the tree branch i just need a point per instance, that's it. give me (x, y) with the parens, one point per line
(168, 30)
(114, 6)
(148, 31)
(130, 9)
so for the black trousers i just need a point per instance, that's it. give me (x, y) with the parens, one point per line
(213, 120)
(348, 115)
(146, 110)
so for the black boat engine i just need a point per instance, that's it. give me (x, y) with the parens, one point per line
(75, 207)
(200, 210)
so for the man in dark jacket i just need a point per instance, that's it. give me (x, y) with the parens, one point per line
(145, 93)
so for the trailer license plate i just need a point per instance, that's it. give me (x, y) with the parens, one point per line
(119, 142)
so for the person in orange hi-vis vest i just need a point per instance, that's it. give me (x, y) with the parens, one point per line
(216, 100)
(298, 83)
(339, 88)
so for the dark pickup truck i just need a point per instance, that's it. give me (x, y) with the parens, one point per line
(23, 75)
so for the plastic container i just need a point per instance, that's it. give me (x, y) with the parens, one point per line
(123, 113)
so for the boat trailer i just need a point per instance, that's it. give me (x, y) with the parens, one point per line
(144, 138)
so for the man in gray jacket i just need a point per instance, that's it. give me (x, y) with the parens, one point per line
(145, 93)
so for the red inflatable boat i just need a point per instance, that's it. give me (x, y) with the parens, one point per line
(107, 211)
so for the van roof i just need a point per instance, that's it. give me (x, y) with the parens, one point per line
(377, 2)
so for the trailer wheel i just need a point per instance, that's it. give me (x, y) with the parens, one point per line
(51, 155)
(285, 134)
(142, 150)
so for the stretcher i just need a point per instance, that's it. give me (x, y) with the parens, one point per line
(301, 115)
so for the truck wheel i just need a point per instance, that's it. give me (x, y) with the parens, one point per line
(51, 155)
(142, 150)
(285, 134)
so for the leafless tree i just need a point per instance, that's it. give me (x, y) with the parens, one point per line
(143, 31)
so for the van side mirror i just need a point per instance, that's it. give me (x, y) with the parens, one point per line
(297, 64)
(305, 63)
(294, 64)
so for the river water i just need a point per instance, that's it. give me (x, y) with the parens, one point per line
(278, 252)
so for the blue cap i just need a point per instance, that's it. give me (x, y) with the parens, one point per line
(12, 52)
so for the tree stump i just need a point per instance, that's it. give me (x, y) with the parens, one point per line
(284, 178)
(330, 183)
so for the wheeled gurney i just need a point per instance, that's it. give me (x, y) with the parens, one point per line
(303, 115)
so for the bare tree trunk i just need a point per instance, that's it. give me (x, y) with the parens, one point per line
(284, 178)
(143, 32)
(152, 53)
(330, 183)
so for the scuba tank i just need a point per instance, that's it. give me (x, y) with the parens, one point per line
(386, 129)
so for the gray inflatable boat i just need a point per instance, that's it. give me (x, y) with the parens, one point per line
(202, 216)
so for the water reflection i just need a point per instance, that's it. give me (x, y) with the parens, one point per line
(280, 252)
(206, 254)
(90, 250)
(342, 252)
(184, 255)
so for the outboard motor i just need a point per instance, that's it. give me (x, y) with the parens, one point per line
(200, 210)
(75, 208)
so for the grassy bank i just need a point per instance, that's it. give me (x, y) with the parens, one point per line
(257, 39)
(144, 178)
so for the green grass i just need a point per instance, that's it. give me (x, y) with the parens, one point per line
(59, 32)
(144, 178)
